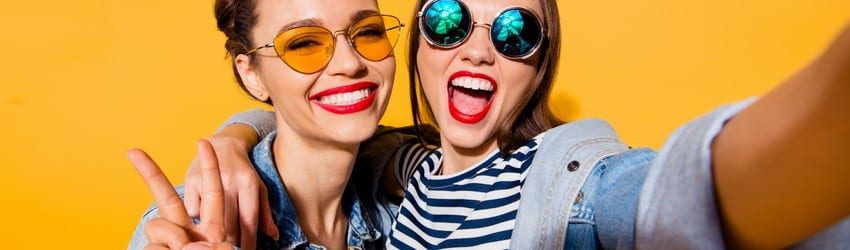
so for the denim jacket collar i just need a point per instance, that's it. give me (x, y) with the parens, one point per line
(360, 227)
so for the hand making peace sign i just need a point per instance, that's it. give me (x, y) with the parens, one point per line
(174, 228)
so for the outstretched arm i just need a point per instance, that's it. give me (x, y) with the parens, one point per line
(781, 159)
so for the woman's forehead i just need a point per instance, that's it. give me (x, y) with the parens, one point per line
(486, 9)
(328, 13)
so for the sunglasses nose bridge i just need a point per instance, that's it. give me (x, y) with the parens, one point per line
(482, 24)
(345, 35)
(486, 26)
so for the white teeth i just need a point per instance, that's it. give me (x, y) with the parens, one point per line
(472, 83)
(347, 98)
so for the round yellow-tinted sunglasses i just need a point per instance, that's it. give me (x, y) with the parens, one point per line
(308, 49)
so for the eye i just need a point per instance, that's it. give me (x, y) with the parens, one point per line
(369, 32)
(305, 44)
(301, 43)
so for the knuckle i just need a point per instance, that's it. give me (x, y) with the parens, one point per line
(154, 227)
(246, 177)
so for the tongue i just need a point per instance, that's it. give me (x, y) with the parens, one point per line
(469, 101)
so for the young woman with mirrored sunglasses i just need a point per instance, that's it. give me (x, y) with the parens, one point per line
(490, 103)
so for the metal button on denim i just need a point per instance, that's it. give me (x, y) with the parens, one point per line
(579, 197)
(572, 166)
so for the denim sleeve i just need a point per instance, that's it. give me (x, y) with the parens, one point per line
(677, 208)
(262, 121)
(617, 194)
(139, 241)
(604, 216)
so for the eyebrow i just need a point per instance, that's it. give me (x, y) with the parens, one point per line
(300, 23)
(363, 13)
(315, 22)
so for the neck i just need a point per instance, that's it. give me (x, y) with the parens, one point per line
(457, 159)
(315, 174)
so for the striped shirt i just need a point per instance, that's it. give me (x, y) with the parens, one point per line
(475, 208)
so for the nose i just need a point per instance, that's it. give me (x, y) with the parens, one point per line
(345, 60)
(477, 50)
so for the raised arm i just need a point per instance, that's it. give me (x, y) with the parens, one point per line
(394, 153)
(779, 166)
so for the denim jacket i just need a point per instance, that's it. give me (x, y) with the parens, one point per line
(631, 198)
(581, 189)
(369, 219)
(628, 198)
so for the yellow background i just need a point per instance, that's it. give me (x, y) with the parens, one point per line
(83, 81)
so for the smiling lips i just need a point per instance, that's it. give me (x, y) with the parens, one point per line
(470, 96)
(346, 99)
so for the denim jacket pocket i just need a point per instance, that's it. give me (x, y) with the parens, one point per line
(582, 223)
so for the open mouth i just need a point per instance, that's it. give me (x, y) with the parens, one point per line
(346, 99)
(470, 96)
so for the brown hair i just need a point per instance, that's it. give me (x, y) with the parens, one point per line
(528, 120)
(235, 18)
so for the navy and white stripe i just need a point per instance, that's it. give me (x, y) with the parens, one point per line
(475, 208)
(409, 158)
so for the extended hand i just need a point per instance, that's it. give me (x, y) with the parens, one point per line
(174, 229)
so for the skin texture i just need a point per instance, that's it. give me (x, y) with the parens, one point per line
(314, 149)
(174, 229)
(239, 173)
(778, 158)
(785, 156)
(306, 129)
(464, 144)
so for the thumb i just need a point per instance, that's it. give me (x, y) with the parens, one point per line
(203, 245)
(200, 245)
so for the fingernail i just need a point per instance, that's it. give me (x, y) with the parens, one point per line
(275, 234)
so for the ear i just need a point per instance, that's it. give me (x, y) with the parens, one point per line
(250, 77)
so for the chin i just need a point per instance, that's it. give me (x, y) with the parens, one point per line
(466, 137)
(353, 132)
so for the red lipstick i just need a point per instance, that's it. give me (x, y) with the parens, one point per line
(469, 97)
(346, 99)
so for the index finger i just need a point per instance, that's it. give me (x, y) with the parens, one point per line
(169, 203)
(212, 193)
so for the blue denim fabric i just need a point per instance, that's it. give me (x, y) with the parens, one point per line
(365, 231)
(605, 215)
(615, 196)
(677, 208)
(559, 196)
(139, 241)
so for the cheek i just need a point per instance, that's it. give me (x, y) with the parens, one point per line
(524, 86)
(386, 69)
(285, 84)
(432, 65)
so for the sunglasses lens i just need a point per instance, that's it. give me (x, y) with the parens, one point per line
(516, 33)
(305, 49)
(446, 22)
(374, 37)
